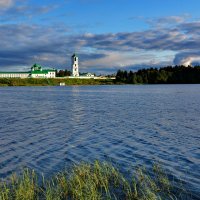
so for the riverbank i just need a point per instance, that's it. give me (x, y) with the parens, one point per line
(93, 181)
(53, 82)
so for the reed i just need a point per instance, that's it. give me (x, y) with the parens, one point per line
(99, 180)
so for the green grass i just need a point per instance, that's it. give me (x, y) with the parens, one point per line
(96, 181)
(52, 82)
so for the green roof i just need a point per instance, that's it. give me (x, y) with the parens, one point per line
(36, 67)
(45, 71)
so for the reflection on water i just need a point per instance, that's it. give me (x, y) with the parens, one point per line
(77, 109)
(47, 128)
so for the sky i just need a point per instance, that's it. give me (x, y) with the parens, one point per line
(107, 35)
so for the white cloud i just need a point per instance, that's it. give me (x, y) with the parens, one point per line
(125, 59)
(23, 45)
(4, 4)
(187, 58)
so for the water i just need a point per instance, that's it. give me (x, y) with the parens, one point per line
(48, 128)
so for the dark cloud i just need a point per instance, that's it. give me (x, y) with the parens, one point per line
(22, 45)
(191, 27)
(163, 39)
(91, 56)
(134, 68)
(187, 58)
(30, 43)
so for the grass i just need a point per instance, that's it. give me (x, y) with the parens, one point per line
(52, 82)
(96, 181)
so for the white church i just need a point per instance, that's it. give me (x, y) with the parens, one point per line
(75, 69)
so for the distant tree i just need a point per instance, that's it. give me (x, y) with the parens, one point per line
(169, 74)
(134, 79)
(139, 79)
(120, 75)
(63, 73)
(67, 73)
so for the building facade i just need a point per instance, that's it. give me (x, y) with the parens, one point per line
(36, 72)
(14, 74)
(75, 67)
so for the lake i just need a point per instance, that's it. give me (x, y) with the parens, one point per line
(49, 128)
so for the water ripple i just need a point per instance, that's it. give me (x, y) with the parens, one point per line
(48, 128)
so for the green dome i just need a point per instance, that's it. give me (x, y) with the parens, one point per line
(36, 67)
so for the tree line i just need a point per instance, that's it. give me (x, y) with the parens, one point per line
(63, 73)
(170, 75)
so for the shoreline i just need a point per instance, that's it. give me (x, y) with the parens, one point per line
(53, 82)
(31, 82)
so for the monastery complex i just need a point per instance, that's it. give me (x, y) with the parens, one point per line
(37, 71)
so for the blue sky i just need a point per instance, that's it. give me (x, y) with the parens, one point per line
(107, 34)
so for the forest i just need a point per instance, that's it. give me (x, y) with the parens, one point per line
(165, 75)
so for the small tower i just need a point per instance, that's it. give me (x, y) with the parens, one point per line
(75, 71)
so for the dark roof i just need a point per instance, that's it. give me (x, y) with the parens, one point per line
(74, 55)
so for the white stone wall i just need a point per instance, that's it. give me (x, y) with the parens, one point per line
(27, 75)
(14, 75)
(51, 75)
(48, 75)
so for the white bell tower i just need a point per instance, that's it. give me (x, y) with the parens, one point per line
(75, 71)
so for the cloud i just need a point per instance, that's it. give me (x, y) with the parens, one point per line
(23, 44)
(114, 60)
(167, 20)
(192, 28)
(21, 10)
(187, 58)
(50, 46)
(152, 39)
(4, 4)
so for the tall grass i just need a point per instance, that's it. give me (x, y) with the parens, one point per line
(96, 181)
